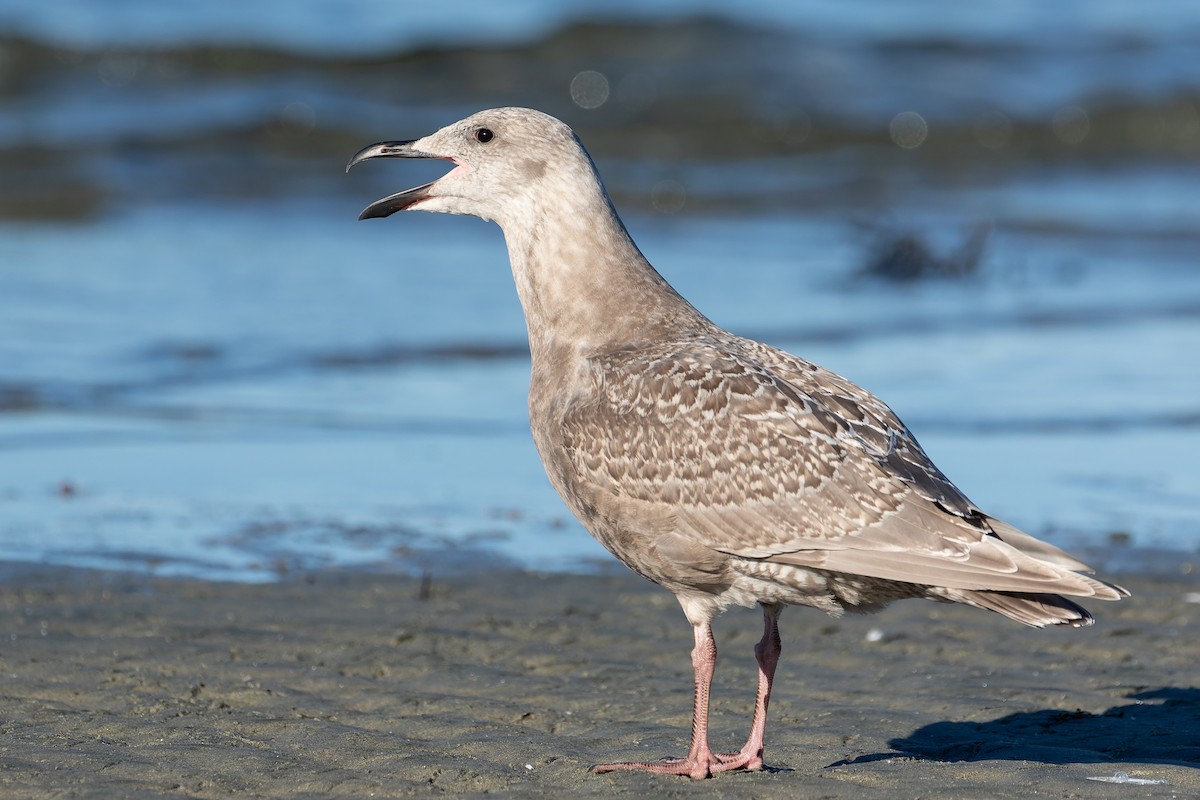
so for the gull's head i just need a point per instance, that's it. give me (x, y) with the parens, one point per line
(504, 158)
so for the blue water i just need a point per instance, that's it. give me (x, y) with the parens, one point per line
(214, 369)
(355, 25)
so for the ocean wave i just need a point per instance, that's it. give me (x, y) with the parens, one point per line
(86, 126)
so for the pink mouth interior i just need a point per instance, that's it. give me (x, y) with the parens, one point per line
(459, 169)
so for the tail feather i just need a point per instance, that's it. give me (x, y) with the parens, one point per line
(1036, 610)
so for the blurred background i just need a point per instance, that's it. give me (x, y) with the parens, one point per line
(986, 213)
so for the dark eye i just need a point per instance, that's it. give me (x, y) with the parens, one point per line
(484, 135)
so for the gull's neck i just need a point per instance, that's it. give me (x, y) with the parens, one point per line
(583, 284)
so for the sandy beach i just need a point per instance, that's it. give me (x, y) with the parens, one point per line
(337, 684)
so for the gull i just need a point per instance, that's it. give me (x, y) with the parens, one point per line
(723, 469)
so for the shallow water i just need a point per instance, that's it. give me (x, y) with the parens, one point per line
(314, 403)
(208, 366)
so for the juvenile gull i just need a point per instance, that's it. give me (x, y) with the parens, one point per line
(728, 471)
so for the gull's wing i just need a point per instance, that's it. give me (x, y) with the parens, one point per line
(746, 451)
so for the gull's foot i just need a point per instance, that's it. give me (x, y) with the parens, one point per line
(694, 768)
(741, 760)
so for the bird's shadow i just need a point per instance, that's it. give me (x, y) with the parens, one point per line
(1160, 726)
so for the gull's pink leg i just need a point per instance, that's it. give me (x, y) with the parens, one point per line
(767, 653)
(701, 762)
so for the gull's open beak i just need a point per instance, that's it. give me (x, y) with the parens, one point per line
(401, 200)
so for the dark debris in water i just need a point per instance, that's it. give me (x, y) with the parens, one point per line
(904, 257)
(20, 397)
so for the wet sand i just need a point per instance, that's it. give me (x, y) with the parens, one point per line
(120, 685)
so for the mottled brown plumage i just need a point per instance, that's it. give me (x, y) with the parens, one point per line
(724, 469)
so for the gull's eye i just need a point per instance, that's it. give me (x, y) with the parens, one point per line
(484, 135)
